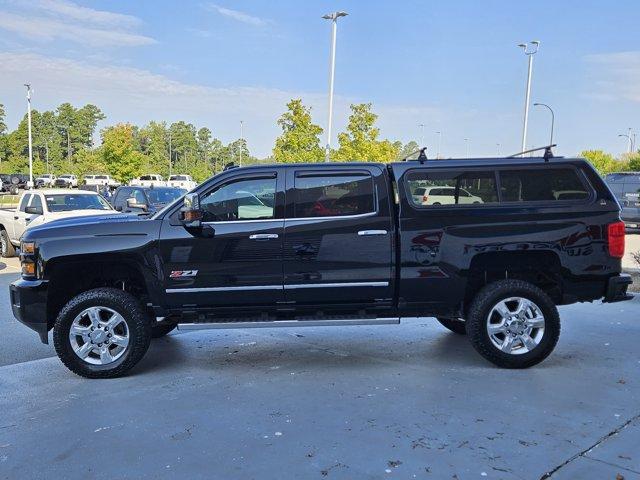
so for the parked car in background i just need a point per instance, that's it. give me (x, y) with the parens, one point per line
(17, 182)
(41, 206)
(626, 188)
(67, 180)
(45, 180)
(132, 199)
(153, 179)
(443, 195)
(182, 181)
(5, 182)
(101, 180)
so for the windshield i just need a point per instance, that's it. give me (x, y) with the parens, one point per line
(74, 201)
(179, 177)
(164, 195)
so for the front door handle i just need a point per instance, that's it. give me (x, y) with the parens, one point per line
(263, 236)
(367, 233)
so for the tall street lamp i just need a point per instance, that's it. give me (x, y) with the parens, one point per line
(629, 139)
(553, 117)
(241, 142)
(466, 145)
(332, 68)
(498, 149)
(439, 143)
(530, 49)
(421, 135)
(28, 86)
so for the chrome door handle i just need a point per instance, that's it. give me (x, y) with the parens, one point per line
(263, 236)
(367, 233)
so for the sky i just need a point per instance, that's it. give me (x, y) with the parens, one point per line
(452, 66)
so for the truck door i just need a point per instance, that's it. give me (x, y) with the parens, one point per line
(338, 237)
(239, 262)
(21, 219)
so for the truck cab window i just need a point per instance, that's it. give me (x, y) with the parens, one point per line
(433, 189)
(329, 196)
(24, 202)
(536, 185)
(250, 199)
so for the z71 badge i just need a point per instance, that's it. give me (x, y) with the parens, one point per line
(183, 273)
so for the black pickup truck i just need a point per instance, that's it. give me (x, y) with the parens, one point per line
(489, 247)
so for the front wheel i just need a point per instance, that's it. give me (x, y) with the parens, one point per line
(102, 333)
(513, 324)
(7, 249)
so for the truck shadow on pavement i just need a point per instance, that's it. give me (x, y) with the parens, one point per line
(316, 350)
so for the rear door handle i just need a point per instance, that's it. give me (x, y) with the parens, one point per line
(368, 233)
(263, 236)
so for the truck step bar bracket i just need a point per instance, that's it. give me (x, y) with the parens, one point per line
(289, 323)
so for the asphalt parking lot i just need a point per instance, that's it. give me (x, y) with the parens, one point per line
(408, 401)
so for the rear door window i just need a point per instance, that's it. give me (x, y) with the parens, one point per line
(452, 188)
(333, 195)
(542, 185)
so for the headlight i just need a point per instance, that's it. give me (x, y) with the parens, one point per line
(28, 248)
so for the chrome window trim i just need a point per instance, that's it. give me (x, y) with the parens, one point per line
(224, 222)
(335, 285)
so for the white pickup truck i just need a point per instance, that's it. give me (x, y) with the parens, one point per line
(182, 181)
(152, 180)
(45, 205)
(101, 180)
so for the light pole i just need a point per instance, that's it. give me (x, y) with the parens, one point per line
(421, 135)
(498, 149)
(170, 154)
(553, 118)
(29, 130)
(332, 68)
(241, 142)
(466, 144)
(530, 49)
(66, 129)
(629, 141)
(439, 143)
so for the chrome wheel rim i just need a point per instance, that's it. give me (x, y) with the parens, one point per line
(99, 335)
(515, 325)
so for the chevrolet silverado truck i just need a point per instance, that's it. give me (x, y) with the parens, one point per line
(332, 244)
(37, 207)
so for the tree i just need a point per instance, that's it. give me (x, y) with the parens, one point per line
(634, 162)
(300, 138)
(119, 154)
(408, 150)
(602, 161)
(360, 141)
(154, 144)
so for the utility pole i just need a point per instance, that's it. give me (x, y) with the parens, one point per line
(170, 154)
(30, 185)
(466, 144)
(241, 141)
(498, 149)
(421, 135)
(439, 144)
(530, 49)
(332, 69)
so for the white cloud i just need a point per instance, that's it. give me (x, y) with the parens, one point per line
(85, 14)
(237, 15)
(49, 20)
(617, 76)
(134, 95)
(46, 29)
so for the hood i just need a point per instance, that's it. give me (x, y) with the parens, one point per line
(88, 220)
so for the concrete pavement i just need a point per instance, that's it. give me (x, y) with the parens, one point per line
(408, 401)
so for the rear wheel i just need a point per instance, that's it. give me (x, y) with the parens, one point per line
(6, 247)
(513, 324)
(453, 324)
(102, 333)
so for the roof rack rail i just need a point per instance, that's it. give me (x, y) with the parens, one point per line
(548, 154)
(421, 158)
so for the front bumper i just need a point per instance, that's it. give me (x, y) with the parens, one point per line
(617, 288)
(29, 305)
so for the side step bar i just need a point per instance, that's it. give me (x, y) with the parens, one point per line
(289, 323)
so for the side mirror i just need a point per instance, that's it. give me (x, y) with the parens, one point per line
(33, 210)
(190, 213)
(132, 203)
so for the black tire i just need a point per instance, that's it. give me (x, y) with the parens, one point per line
(160, 329)
(480, 308)
(453, 324)
(14, 189)
(7, 249)
(137, 322)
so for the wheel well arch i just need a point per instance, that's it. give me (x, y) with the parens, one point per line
(542, 269)
(69, 277)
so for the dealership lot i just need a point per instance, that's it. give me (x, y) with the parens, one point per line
(408, 401)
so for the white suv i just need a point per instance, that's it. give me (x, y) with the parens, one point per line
(443, 196)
